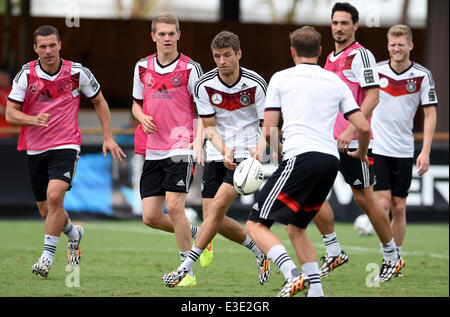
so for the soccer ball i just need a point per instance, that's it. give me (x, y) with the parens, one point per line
(363, 226)
(248, 176)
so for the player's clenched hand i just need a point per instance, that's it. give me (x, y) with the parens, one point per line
(147, 124)
(41, 120)
(114, 148)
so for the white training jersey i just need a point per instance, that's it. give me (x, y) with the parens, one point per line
(88, 86)
(238, 110)
(138, 95)
(400, 96)
(309, 99)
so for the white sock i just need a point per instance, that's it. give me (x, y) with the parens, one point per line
(251, 245)
(70, 231)
(50, 243)
(399, 249)
(312, 270)
(183, 257)
(389, 251)
(194, 231)
(191, 258)
(279, 256)
(331, 244)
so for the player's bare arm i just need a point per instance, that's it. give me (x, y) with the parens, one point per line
(370, 102)
(217, 141)
(361, 124)
(429, 126)
(145, 120)
(15, 116)
(197, 144)
(102, 109)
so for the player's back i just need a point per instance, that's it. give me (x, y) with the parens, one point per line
(309, 98)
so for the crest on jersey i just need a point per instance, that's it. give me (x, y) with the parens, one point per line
(216, 99)
(149, 82)
(411, 86)
(245, 100)
(176, 80)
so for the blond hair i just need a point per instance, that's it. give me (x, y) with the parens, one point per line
(167, 18)
(400, 30)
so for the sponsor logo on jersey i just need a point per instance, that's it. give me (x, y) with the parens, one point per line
(162, 93)
(216, 99)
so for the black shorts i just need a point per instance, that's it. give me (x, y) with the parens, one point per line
(355, 172)
(294, 193)
(214, 174)
(394, 174)
(173, 174)
(52, 164)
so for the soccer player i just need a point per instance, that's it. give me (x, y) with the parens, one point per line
(163, 104)
(295, 191)
(404, 85)
(230, 101)
(356, 66)
(44, 101)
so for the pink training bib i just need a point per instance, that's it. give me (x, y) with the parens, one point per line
(55, 98)
(343, 62)
(167, 100)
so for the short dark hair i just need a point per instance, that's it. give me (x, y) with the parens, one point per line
(346, 7)
(226, 39)
(306, 41)
(46, 30)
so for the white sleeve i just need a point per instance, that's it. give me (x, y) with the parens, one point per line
(364, 68)
(89, 86)
(204, 107)
(427, 91)
(20, 85)
(348, 104)
(196, 73)
(273, 100)
(138, 86)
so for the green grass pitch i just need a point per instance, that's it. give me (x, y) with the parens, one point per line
(128, 259)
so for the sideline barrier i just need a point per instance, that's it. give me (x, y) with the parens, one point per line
(107, 189)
